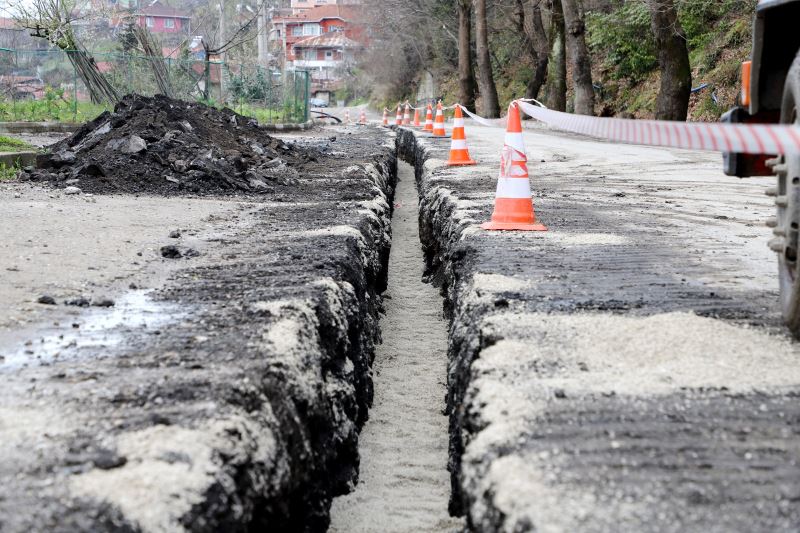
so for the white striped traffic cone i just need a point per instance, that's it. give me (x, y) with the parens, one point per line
(513, 205)
(407, 115)
(438, 123)
(459, 153)
(428, 119)
(398, 119)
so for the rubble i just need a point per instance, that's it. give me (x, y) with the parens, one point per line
(162, 146)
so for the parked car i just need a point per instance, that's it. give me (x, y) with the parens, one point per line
(318, 102)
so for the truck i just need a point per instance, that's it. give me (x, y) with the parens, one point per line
(770, 93)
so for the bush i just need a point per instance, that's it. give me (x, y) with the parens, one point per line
(624, 38)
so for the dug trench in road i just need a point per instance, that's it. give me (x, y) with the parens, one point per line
(403, 481)
(626, 370)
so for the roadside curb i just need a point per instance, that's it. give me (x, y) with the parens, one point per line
(302, 126)
(22, 159)
(39, 127)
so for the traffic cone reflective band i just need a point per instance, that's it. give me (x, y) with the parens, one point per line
(513, 206)
(459, 154)
(407, 115)
(428, 119)
(385, 117)
(438, 123)
(362, 119)
(398, 119)
(416, 118)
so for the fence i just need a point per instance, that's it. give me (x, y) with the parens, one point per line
(43, 85)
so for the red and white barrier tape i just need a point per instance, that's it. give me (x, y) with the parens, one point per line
(708, 136)
(717, 137)
(492, 123)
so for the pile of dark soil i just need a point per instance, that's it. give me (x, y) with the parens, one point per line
(163, 146)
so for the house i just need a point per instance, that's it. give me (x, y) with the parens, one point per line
(325, 53)
(163, 19)
(322, 40)
(301, 6)
(290, 29)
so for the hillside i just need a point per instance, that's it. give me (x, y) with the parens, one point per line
(626, 69)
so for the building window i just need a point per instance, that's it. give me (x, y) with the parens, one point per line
(310, 29)
(297, 30)
(149, 21)
(329, 54)
(310, 54)
(169, 23)
(332, 29)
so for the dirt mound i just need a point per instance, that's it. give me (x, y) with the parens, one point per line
(163, 146)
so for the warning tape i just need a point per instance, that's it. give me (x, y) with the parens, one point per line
(492, 123)
(716, 137)
(706, 136)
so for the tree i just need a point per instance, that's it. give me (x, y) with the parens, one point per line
(673, 59)
(540, 45)
(557, 65)
(579, 57)
(491, 106)
(52, 20)
(466, 77)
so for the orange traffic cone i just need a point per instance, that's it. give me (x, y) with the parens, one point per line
(347, 116)
(459, 154)
(416, 118)
(407, 115)
(398, 119)
(438, 123)
(513, 206)
(428, 119)
(362, 119)
(385, 117)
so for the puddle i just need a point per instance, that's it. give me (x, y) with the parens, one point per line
(98, 330)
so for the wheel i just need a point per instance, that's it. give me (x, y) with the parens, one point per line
(787, 200)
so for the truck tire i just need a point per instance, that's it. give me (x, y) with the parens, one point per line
(787, 200)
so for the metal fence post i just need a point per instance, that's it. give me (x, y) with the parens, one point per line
(74, 90)
(306, 95)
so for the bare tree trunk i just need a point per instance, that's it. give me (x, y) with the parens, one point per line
(673, 58)
(538, 38)
(529, 41)
(579, 57)
(491, 107)
(557, 67)
(466, 77)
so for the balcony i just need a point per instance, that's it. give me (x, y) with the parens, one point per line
(316, 63)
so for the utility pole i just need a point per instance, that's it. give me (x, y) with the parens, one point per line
(224, 54)
(262, 34)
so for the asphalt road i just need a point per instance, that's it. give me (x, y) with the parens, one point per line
(626, 370)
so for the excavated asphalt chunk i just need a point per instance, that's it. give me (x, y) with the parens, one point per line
(158, 145)
(242, 410)
(596, 382)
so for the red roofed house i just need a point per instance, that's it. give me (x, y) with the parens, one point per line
(163, 19)
(321, 39)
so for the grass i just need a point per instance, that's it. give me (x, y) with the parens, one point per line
(10, 144)
(8, 172)
(48, 110)
(267, 115)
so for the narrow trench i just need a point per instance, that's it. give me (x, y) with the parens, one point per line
(403, 483)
